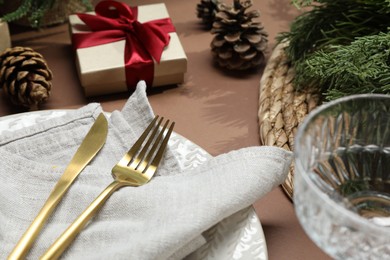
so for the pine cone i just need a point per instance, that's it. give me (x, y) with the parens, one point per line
(24, 76)
(206, 10)
(239, 42)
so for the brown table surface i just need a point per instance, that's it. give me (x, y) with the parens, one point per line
(214, 108)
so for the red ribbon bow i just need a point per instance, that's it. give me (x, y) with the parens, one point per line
(115, 21)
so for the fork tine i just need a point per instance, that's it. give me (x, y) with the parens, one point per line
(133, 150)
(137, 159)
(160, 152)
(146, 161)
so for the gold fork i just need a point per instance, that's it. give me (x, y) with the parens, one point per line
(136, 168)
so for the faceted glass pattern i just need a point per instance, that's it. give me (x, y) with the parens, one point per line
(342, 176)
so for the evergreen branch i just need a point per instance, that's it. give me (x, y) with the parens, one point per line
(329, 50)
(20, 12)
(361, 67)
(39, 11)
(381, 6)
(35, 10)
(334, 22)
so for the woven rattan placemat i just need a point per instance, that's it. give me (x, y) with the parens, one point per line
(281, 108)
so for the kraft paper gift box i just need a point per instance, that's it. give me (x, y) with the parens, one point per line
(5, 38)
(101, 68)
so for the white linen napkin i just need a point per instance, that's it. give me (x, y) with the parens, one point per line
(163, 219)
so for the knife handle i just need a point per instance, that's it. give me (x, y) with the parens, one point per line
(90, 146)
(26, 241)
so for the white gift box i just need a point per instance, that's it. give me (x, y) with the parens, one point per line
(5, 38)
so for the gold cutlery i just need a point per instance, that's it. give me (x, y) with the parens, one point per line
(136, 168)
(92, 143)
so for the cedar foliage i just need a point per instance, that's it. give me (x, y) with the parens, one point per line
(341, 46)
(35, 10)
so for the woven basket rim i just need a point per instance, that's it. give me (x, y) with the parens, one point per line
(281, 107)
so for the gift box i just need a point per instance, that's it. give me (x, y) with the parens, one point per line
(106, 67)
(5, 38)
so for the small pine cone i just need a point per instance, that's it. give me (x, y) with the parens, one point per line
(24, 76)
(206, 11)
(239, 42)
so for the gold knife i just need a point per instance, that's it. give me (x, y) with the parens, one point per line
(90, 146)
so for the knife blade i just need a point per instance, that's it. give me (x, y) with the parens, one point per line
(90, 146)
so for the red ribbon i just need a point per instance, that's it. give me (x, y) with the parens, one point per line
(115, 21)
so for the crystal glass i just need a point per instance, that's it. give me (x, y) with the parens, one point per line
(342, 177)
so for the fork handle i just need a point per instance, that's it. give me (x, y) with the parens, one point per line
(66, 238)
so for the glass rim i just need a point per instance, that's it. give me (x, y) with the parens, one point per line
(361, 221)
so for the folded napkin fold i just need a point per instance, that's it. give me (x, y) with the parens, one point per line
(161, 220)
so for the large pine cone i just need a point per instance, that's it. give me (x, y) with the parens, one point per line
(24, 76)
(206, 11)
(239, 42)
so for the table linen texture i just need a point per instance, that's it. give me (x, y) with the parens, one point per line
(163, 219)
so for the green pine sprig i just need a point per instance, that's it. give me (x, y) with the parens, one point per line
(20, 12)
(35, 10)
(39, 9)
(360, 67)
(326, 27)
